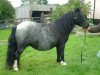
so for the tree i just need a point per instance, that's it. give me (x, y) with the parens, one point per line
(7, 11)
(45, 2)
(0, 7)
(72, 4)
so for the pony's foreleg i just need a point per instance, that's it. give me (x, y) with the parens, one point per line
(60, 54)
(17, 56)
(62, 58)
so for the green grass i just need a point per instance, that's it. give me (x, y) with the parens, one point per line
(4, 34)
(35, 62)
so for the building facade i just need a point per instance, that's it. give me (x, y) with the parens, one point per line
(33, 10)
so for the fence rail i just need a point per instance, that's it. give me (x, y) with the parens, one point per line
(9, 23)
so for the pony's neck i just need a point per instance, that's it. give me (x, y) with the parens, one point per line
(65, 23)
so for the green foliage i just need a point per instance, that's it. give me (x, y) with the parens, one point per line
(42, 2)
(72, 4)
(90, 21)
(45, 2)
(57, 12)
(0, 7)
(7, 11)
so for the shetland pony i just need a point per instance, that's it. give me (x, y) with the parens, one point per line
(43, 37)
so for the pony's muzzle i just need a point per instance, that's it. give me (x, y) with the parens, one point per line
(85, 26)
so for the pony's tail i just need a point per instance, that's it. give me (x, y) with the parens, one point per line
(12, 47)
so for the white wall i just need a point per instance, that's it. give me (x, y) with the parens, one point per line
(23, 12)
(97, 8)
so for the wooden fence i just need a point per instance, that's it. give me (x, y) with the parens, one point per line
(8, 23)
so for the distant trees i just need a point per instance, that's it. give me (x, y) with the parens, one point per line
(72, 4)
(45, 2)
(7, 11)
(0, 7)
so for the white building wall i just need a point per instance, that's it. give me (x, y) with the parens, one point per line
(23, 12)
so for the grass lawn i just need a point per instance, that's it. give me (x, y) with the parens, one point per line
(34, 62)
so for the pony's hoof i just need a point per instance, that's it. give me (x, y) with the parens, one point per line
(15, 69)
(63, 63)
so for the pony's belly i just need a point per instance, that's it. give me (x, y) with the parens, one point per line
(46, 44)
(43, 45)
(43, 48)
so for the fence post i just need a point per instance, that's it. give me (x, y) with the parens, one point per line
(5, 22)
(42, 17)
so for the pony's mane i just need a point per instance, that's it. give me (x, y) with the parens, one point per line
(65, 23)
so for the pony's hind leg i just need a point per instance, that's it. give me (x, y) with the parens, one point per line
(17, 58)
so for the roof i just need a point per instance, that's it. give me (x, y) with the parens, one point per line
(37, 7)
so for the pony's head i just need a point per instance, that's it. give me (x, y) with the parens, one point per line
(80, 19)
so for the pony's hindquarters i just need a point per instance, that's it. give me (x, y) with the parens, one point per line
(12, 47)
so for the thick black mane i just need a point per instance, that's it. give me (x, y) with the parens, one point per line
(65, 23)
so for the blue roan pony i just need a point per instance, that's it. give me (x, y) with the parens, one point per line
(43, 37)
